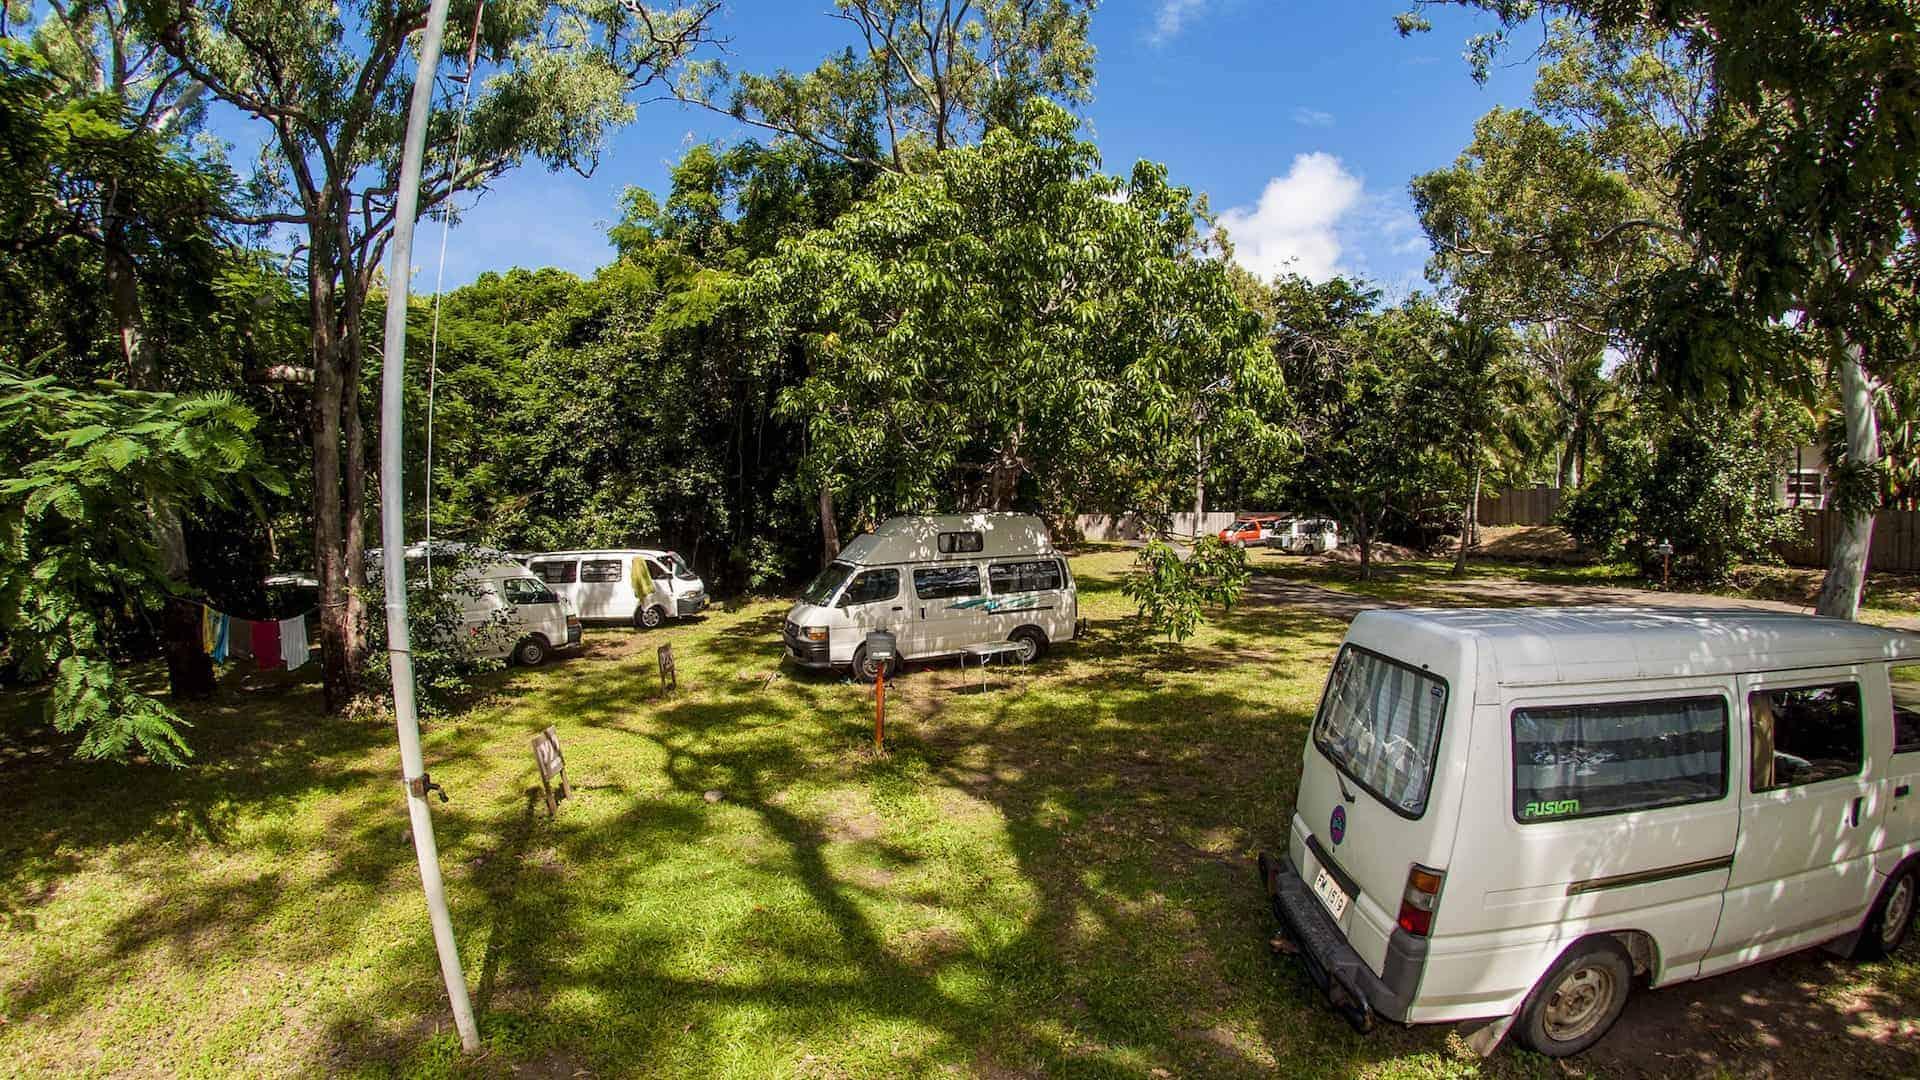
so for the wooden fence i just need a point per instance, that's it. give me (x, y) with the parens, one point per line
(1896, 533)
(1520, 506)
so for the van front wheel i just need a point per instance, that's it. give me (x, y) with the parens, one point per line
(531, 652)
(868, 670)
(648, 617)
(1579, 998)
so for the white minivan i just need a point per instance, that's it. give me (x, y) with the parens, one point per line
(1306, 536)
(495, 591)
(1516, 814)
(940, 584)
(642, 586)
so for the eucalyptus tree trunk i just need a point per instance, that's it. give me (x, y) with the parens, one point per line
(1847, 566)
(1199, 483)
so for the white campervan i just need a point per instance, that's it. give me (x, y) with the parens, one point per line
(1514, 814)
(1306, 536)
(940, 584)
(495, 591)
(643, 586)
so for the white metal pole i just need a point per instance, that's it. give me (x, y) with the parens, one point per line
(393, 526)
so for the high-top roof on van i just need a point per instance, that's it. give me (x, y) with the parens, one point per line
(1549, 645)
(934, 537)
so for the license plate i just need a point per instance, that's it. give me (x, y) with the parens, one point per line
(1331, 895)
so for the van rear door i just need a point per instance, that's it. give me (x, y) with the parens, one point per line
(1363, 818)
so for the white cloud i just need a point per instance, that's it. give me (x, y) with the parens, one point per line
(1307, 117)
(1173, 17)
(1295, 227)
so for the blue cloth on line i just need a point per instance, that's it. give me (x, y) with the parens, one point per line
(221, 625)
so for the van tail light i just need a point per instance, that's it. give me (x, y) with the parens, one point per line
(1418, 902)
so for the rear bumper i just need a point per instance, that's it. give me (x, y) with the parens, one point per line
(1352, 989)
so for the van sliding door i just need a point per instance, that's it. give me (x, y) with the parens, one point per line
(1803, 868)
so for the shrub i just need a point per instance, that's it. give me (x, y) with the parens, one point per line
(1170, 591)
(447, 653)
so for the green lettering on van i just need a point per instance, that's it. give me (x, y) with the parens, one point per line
(1556, 808)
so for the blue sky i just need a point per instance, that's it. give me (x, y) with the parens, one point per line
(1301, 121)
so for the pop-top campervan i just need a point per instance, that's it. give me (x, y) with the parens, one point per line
(1517, 815)
(940, 584)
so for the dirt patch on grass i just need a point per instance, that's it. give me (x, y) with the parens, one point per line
(1531, 544)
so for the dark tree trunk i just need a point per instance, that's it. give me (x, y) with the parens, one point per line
(829, 529)
(189, 669)
(1469, 515)
(329, 554)
(1363, 528)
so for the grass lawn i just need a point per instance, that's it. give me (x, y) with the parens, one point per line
(1049, 878)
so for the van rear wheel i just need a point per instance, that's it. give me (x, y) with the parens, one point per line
(1578, 999)
(1892, 916)
(1032, 641)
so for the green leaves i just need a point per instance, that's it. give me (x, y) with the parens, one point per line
(1172, 592)
(77, 553)
(1001, 319)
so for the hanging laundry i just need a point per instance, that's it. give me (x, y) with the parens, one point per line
(240, 640)
(221, 626)
(207, 615)
(266, 646)
(293, 641)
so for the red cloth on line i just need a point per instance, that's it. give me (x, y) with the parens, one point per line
(266, 645)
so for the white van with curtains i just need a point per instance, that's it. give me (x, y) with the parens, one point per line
(643, 586)
(940, 584)
(1522, 814)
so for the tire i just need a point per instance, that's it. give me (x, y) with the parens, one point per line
(531, 652)
(1891, 919)
(649, 617)
(1577, 1000)
(867, 672)
(1032, 641)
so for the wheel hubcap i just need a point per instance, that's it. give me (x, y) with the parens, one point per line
(1899, 907)
(1028, 647)
(1578, 1002)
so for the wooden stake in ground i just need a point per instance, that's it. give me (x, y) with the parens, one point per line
(880, 711)
(669, 678)
(552, 764)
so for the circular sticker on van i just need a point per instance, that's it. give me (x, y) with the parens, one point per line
(1337, 828)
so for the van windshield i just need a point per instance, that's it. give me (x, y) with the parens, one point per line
(825, 584)
(680, 568)
(1380, 724)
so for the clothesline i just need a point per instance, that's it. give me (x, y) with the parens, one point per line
(272, 644)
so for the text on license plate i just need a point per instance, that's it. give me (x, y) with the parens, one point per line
(1330, 894)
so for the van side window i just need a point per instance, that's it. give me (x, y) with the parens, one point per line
(871, 587)
(939, 582)
(1805, 735)
(1581, 760)
(555, 571)
(1024, 576)
(959, 543)
(599, 570)
(1906, 707)
(657, 572)
(527, 591)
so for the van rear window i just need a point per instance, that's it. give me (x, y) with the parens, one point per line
(1572, 761)
(1380, 724)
